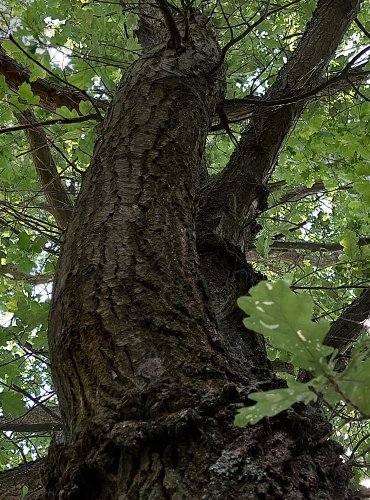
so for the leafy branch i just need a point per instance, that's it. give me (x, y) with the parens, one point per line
(285, 318)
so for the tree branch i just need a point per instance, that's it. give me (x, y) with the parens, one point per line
(348, 327)
(299, 193)
(362, 28)
(239, 193)
(35, 420)
(52, 96)
(10, 271)
(314, 247)
(150, 30)
(51, 185)
(248, 30)
(289, 251)
(293, 257)
(238, 110)
(171, 25)
(12, 481)
(56, 121)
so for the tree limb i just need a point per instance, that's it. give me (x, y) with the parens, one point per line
(44, 123)
(52, 95)
(51, 185)
(10, 271)
(238, 110)
(171, 25)
(35, 420)
(348, 327)
(289, 251)
(299, 193)
(314, 247)
(239, 192)
(12, 481)
(293, 257)
(151, 30)
(248, 30)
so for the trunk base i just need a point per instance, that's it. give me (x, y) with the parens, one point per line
(199, 454)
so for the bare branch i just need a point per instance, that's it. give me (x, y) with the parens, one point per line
(294, 257)
(35, 420)
(362, 28)
(299, 193)
(290, 251)
(314, 247)
(59, 203)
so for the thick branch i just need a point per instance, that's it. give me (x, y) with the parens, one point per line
(12, 481)
(35, 420)
(298, 193)
(151, 31)
(314, 247)
(348, 327)
(238, 110)
(239, 193)
(52, 187)
(289, 251)
(52, 96)
(293, 257)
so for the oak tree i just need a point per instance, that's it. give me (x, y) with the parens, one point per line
(167, 143)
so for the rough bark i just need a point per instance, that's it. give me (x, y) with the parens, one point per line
(13, 481)
(149, 355)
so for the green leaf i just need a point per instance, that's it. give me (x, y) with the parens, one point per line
(3, 87)
(64, 112)
(12, 404)
(25, 93)
(37, 72)
(270, 403)
(349, 243)
(86, 107)
(263, 244)
(24, 491)
(285, 318)
(354, 381)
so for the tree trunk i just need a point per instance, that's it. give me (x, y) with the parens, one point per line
(149, 355)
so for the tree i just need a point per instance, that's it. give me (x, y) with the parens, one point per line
(147, 348)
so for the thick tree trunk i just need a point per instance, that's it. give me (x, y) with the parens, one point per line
(149, 355)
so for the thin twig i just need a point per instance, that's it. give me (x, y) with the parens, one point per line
(56, 121)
